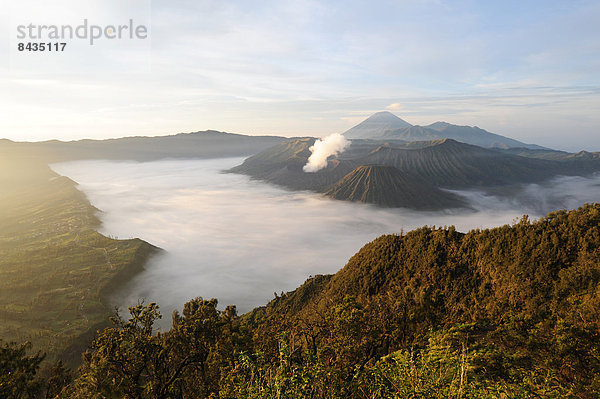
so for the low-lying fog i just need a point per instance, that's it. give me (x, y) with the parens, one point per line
(240, 240)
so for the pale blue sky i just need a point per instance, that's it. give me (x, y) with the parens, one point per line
(529, 70)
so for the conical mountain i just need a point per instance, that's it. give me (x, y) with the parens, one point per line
(390, 187)
(376, 125)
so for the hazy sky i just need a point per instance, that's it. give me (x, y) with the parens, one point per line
(529, 70)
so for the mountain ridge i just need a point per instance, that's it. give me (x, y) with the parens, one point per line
(372, 128)
(202, 144)
(441, 164)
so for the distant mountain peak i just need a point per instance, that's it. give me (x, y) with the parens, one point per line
(387, 126)
(439, 125)
(376, 125)
(384, 115)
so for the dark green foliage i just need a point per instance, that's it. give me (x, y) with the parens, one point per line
(509, 312)
(18, 371)
(529, 294)
(59, 378)
(130, 360)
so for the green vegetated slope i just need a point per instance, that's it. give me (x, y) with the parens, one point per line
(55, 269)
(508, 312)
(525, 299)
(428, 166)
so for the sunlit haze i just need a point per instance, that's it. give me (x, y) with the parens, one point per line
(526, 70)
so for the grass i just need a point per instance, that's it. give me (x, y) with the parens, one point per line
(55, 269)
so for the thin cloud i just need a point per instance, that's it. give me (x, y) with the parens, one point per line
(349, 58)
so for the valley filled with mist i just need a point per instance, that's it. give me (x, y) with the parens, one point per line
(229, 237)
(300, 200)
(241, 265)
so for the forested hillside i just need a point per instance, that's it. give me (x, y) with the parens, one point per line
(506, 312)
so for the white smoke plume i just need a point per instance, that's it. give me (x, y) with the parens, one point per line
(333, 144)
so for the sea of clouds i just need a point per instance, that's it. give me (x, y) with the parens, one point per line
(240, 240)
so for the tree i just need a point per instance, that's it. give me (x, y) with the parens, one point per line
(18, 371)
(130, 360)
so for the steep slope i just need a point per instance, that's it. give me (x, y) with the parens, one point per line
(57, 271)
(510, 271)
(432, 313)
(388, 186)
(376, 125)
(449, 163)
(525, 297)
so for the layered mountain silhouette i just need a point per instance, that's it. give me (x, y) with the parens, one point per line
(205, 144)
(394, 170)
(396, 173)
(385, 126)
